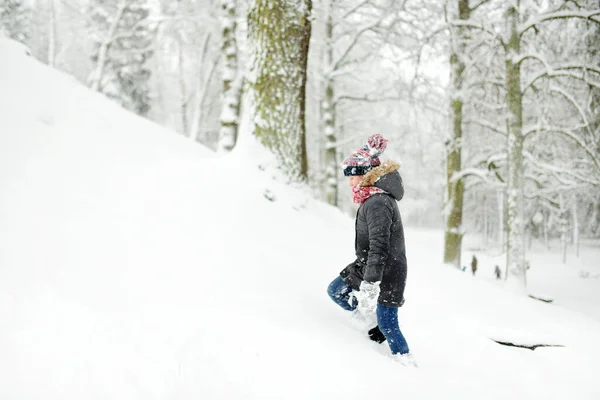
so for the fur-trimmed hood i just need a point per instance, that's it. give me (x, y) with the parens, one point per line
(385, 177)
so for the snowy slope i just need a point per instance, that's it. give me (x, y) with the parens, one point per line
(134, 265)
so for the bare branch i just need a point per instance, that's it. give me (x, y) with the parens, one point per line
(353, 42)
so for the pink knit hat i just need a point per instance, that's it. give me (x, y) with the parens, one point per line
(366, 158)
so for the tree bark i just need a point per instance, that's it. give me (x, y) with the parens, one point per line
(280, 33)
(230, 112)
(331, 167)
(306, 24)
(514, 197)
(455, 187)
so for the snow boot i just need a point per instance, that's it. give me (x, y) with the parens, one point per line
(376, 335)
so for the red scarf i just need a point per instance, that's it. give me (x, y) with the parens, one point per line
(362, 193)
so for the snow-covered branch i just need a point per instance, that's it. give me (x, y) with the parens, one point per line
(573, 101)
(355, 8)
(565, 71)
(476, 6)
(571, 135)
(557, 172)
(480, 27)
(535, 56)
(485, 124)
(357, 35)
(479, 173)
(368, 98)
(539, 18)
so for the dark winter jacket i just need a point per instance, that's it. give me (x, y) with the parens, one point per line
(379, 243)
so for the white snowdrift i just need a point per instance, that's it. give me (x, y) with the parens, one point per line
(135, 265)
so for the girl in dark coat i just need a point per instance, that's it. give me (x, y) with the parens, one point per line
(374, 283)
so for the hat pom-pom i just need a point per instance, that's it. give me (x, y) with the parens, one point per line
(377, 144)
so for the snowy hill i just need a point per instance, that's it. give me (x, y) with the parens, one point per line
(135, 265)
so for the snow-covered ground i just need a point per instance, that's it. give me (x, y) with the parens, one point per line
(135, 265)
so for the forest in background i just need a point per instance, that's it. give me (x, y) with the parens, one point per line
(492, 107)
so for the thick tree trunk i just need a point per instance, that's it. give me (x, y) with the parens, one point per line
(515, 199)
(280, 34)
(455, 187)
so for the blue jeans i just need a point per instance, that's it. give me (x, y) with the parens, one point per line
(387, 317)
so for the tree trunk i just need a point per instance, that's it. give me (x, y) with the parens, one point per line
(575, 224)
(280, 33)
(182, 90)
(501, 218)
(515, 199)
(199, 95)
(455, 187)
(306, 24)
(545, 227)
(96, 78)
(485, 222)
(331, 167)
(230, 112)
(52, 33)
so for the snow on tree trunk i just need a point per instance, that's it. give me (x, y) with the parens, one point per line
(279, 31)
(328, 113)
(455, 187)
(230, 113)
(515, 259)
